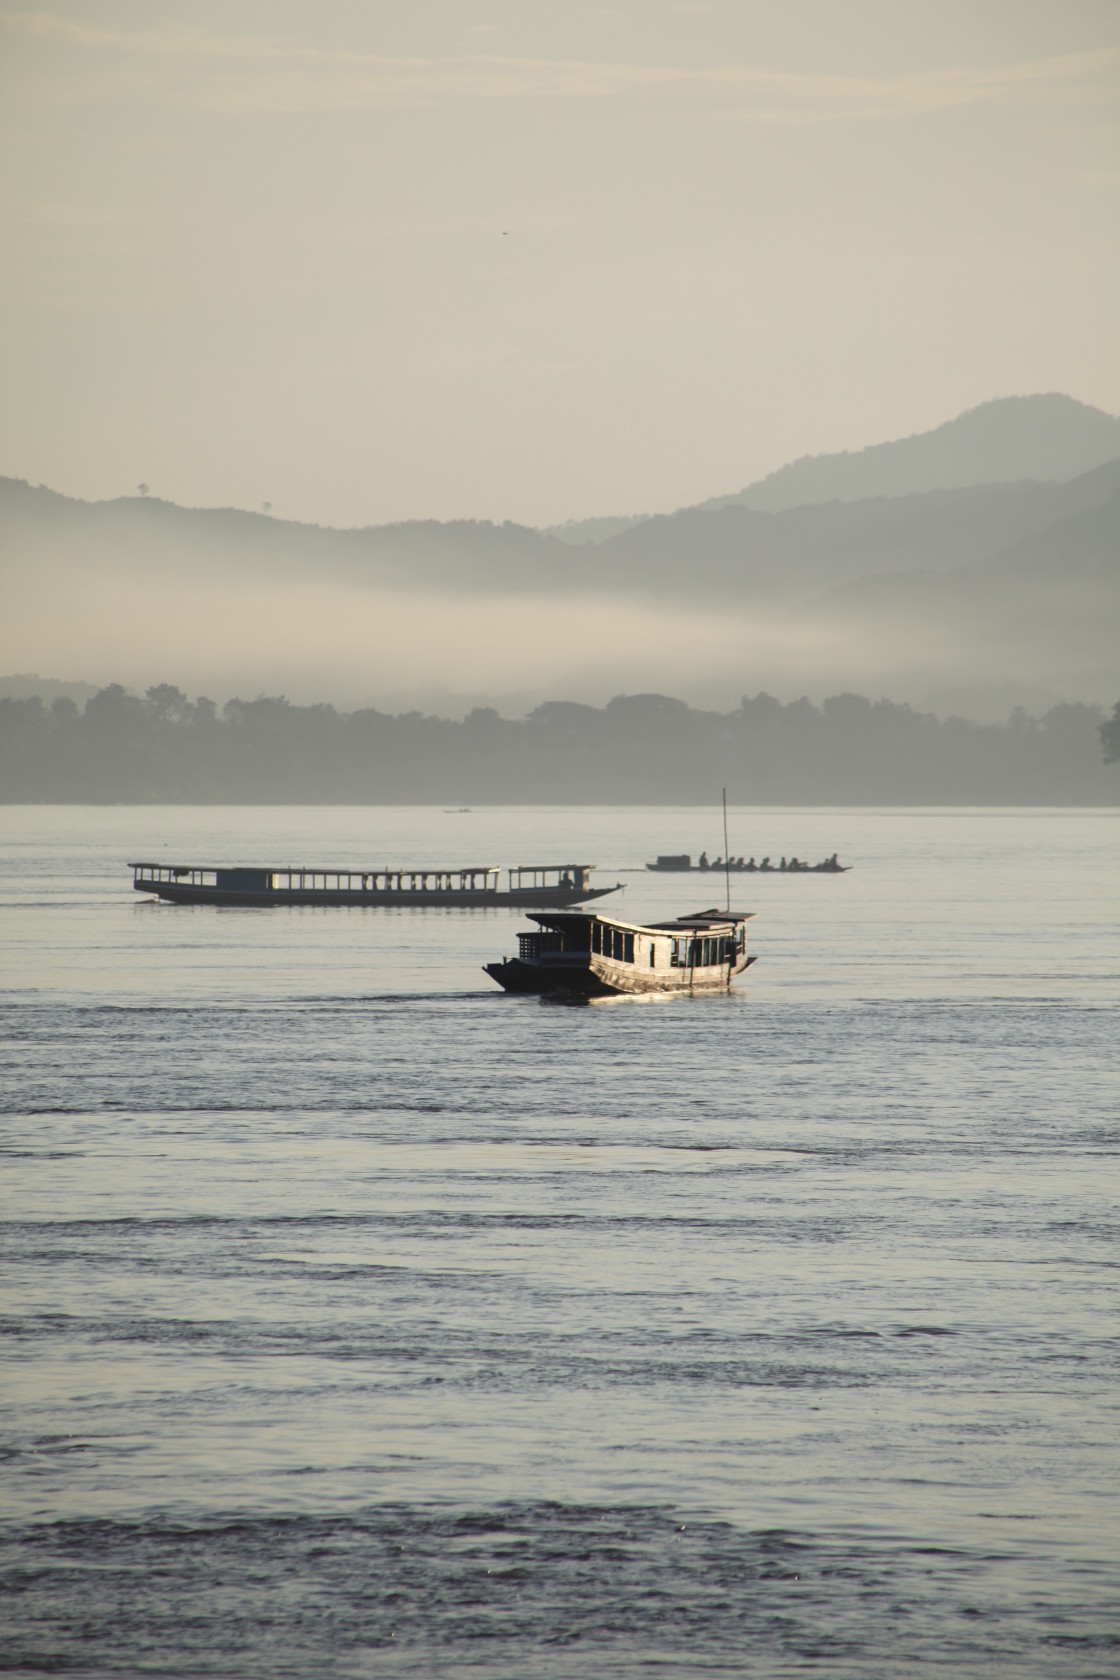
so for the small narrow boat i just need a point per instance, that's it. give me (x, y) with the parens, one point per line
(587, 955)
(544, 885)
(680, 863)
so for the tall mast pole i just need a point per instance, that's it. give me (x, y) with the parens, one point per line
(726, 854)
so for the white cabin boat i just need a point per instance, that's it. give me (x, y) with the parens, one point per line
(584, 954)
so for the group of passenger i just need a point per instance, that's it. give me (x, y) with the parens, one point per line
(831, 865)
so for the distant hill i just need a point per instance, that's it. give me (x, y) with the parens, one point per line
(729, 554)
(1050, 438)
(736, 552)
(1009, 583)
(577, 532)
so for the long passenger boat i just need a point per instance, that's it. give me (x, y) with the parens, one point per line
(547, 886)
(591, 955)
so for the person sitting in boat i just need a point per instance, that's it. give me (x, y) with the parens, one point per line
(565, 879)
(704, 864)
(766, 864)
(783, 864)
(752, 864)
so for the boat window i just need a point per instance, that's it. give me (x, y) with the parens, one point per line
(674, 953)
(628, 953)
(652, 954)
(597, 936)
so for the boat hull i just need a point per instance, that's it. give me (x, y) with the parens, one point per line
(717, 871)
(543, 898)
(598, 977)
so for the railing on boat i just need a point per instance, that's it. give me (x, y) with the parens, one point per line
(303, 880)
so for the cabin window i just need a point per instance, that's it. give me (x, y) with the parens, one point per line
(628, 952)
(597, 937)
(652, 954)
(674, 953)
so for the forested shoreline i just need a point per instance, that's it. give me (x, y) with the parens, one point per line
(642, 749)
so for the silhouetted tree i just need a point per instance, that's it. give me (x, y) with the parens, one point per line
(168, 703)
(644, 748)
(1110, 736)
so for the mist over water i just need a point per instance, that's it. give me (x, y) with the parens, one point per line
(361, 1319)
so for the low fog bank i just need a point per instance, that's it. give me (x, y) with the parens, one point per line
(998, 590)
(648, 748)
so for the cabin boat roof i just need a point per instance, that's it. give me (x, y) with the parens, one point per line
(408, 869)
(699, 920)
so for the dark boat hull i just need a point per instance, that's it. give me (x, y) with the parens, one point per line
(590, 978)
(717, 870)
(540, 898)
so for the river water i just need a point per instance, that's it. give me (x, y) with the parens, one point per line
(361, 1320)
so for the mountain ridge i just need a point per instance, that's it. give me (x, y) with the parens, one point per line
(1045, 437)
(730, 551)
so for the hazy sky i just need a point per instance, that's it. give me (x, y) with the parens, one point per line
(539, 259)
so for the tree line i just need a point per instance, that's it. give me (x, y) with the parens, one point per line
(165, 747)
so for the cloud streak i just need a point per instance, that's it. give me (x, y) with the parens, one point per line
(253, 75)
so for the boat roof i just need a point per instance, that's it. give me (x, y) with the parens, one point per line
(367, 868)
(700, 921)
